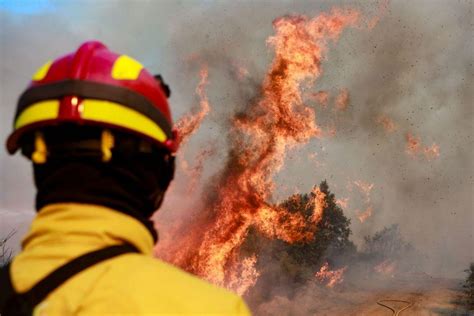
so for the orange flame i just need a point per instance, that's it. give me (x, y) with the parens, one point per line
(382, 9)
(277, 122)
(189, 124)
(431, 152)
(365, 189)
(330, 277)
(319, 205)
(413, 144)
(342, 100)
(260, 137)
(414, 148)
(244, 276)
(363, 216)
(343, 202)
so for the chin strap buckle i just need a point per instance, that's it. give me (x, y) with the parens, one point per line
(40, 154)
(107, 143)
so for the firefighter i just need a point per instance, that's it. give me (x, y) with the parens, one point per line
(97, 127)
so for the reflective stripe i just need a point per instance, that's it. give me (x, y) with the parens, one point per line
(119, 115)
(96, 91)
(95, 110)
(41, 111)
(42, 72)
(126, 68)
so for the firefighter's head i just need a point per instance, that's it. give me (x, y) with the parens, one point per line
(97, 107)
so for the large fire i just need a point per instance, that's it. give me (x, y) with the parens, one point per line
(260, 138)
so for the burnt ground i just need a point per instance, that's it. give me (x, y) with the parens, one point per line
(435, 301)
(427, 295)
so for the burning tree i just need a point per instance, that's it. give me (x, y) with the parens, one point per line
(284, 264)
(331, 233)
(259, 138)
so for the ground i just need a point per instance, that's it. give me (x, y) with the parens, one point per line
(427, 296)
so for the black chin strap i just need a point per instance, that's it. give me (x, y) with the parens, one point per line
(22, 304)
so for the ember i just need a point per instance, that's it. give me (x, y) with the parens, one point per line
(415, 148)
(431, 152)
(387, 123)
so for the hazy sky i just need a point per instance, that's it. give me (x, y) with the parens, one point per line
(415, 67)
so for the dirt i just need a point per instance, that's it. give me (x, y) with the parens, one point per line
(426, 296)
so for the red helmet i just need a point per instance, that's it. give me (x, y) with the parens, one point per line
(95, 86)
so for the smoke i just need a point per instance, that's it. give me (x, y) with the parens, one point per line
(414, 66)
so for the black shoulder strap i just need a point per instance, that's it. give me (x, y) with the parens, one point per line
(6, 287)
(12, 303)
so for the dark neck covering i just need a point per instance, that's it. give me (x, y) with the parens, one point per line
(130, 187)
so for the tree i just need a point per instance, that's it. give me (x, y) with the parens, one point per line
(331, 233)
(387, 243)
(469, 287)
(286, 265)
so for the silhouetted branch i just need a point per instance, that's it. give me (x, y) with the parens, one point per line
(6, 252)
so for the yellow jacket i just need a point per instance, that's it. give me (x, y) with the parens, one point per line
(131, 284)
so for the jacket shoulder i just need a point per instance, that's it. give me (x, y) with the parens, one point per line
(150, 285)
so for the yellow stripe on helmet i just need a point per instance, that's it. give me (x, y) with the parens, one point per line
(42, 72)
(126, 68)
(41, 111)
(116, 114)
(98, 111)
